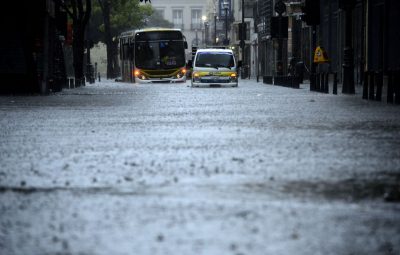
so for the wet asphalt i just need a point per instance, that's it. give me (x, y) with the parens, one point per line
(118, 168)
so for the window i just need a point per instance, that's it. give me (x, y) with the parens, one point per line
(196, 19)
(195, 42)
(248, 10)
(247, 31)
(222, 10)
(160, 12)
(177, 18)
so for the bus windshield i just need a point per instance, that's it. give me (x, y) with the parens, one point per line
(159, 54)
(214, 59)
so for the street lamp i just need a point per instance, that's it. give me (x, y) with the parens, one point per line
(206, 32)
(225, 5)
(215, 27)
(204, 19)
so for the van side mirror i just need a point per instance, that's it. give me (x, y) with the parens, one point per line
(240, 63)
(189, 64)
(185, 44)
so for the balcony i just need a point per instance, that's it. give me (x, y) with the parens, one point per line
(196, 25)
(179, 25)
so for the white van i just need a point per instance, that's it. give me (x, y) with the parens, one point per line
(214, 67)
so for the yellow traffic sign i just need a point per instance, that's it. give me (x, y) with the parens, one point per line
(320, 55)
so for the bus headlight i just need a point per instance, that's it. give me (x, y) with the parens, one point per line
(140, 75)
(181, 73)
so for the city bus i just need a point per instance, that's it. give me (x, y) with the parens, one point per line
(153, 55)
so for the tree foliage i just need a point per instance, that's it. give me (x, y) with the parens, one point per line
(112, 17)
(123, 15)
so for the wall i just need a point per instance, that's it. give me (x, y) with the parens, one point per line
(98, 55)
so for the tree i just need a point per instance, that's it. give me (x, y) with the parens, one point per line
(156, 20)
(79, 11)
(119, 16)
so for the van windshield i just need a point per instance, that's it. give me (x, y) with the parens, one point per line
(215, 59)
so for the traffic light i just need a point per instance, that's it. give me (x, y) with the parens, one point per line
(194, 50)
(311, 12)
(283, 32)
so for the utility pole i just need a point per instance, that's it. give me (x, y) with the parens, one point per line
(311, 15)
(348, 53)
(215, 28)
(226, 4)
(88, 60)
(242, 42)
(313, 71)
(280, 8)
(226, 27)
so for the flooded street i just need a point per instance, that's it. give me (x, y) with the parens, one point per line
(117, 168)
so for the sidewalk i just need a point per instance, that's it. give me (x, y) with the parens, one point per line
(358, 90)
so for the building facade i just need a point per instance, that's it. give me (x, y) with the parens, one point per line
(374, 34)
(266, 53)
(363, 35)
(243, 12)
(359, 36)
(191, 16)
(32, 58)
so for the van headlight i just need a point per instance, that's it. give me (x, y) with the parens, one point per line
(233, 77)
(196, 76)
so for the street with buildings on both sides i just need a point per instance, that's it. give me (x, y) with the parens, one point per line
(118, 168)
